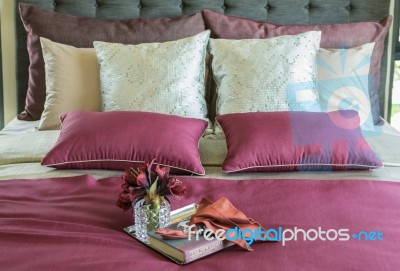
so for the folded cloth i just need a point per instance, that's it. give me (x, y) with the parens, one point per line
(221, 215)
(171, 234)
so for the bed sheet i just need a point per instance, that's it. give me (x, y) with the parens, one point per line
(17, 126)
(78, 224)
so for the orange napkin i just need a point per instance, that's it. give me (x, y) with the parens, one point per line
(220, 215)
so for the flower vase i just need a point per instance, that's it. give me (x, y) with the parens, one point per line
(150, 217)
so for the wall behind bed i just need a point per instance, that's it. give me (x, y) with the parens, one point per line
(8, 60)
(1, 81)
(276, 11)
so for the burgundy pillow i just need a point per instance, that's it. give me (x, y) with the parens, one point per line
(343, 35)
(81, 32)
(121, 139)
(288, 141)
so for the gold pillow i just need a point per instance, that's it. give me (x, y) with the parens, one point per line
(72, 81)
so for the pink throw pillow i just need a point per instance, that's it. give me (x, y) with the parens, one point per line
(121, 139)
(289, 141)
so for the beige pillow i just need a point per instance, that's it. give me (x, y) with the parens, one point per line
(72, 81)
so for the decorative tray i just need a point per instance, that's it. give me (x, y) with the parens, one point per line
(176, 216)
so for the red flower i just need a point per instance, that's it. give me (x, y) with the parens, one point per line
(135, 177)
(176, 187)
(162, 172)
(152, 185)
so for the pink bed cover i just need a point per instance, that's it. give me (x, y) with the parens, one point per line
(73, 224)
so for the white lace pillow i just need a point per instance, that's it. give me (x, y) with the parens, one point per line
(276, 74)
(343, 76)
(155, 77)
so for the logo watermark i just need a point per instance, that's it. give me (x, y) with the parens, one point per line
(282, 235)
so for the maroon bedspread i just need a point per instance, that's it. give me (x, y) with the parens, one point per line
(73, 224)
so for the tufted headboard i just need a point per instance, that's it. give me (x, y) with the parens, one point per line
(275, 11)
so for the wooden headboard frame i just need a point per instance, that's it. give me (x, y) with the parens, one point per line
(275, 11)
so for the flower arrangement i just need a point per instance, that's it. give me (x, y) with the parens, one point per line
(152, 185)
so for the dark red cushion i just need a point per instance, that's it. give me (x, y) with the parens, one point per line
(343, 35)
(121, 139)
(288, 141)
(81, 32)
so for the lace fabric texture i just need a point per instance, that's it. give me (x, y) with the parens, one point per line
(343, 76)
(259, 74)
(164, 77)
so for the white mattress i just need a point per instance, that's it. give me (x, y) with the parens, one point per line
(22, 148)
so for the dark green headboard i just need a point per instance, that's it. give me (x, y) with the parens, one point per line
(275, 11)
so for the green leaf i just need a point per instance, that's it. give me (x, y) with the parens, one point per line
(153, 190)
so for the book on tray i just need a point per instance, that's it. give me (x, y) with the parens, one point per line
(182, 251)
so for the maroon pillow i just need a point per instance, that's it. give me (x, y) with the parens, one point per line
(288, 141)
(344, 35)
(121, 139)
(81, 32)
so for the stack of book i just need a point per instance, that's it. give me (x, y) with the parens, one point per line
(182, 251)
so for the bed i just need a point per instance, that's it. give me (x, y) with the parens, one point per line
(311, 153)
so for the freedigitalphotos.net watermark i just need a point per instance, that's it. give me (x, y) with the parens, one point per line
(283, 235)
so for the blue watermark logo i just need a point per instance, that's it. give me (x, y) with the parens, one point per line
(283, 235)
